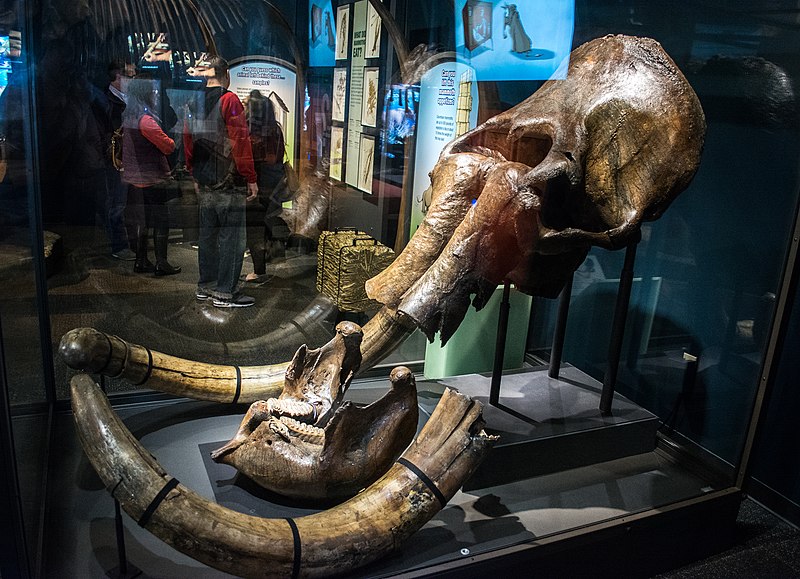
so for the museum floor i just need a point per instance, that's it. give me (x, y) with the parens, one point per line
(87, 287)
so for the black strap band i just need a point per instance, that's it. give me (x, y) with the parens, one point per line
(110, 352)
(238, 385)
(162, 494)
(424, 478)
(149, 368)
(297, 548)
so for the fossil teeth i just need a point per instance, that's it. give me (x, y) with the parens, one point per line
(307, 432)
(289, 407)
(279, 428)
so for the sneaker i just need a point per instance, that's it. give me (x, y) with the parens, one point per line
(124, 254)
(202, 294)
(237, 301)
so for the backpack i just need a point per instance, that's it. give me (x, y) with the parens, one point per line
(212, 161)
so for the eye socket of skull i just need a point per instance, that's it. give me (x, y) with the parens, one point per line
(526, 148)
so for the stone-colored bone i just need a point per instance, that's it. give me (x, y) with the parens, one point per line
(595, 154)
(333, 542)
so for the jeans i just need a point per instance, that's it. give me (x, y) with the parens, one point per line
(116, 200)
(222, 240)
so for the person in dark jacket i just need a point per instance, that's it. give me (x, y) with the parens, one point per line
(263, 213)
(220, 158)
(145, 147)
(119, 74)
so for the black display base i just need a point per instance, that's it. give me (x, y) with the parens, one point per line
(547, 425)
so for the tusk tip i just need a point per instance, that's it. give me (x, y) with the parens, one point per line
(84, 349)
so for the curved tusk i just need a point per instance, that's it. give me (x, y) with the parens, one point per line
(332, 542)
(97, 352)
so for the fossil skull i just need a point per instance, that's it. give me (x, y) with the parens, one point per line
(581, 162)
(306, 443)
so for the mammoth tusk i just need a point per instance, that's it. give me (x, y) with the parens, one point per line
(97, 352)
(332, 542)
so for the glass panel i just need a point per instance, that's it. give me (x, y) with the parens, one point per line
(20, 322)
(773, 465)
(707, 272)
(106, 212)
(331, 117)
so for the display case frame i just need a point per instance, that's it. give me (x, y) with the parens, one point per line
(646, 538)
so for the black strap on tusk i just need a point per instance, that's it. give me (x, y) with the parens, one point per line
(238, 385)
(157, 500)
(149, 368)
(424, 478)
(110, 352)
(297, 548)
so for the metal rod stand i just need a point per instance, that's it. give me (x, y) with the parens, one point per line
(557, 349)
(500, 347)
(123, 570)
(618, 328)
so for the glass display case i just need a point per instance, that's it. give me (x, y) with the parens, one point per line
(205, 203)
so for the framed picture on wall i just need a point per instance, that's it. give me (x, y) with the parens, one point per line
(370, 98)
(477, 16)
(342, 31)
(316, 23)
(373, 46)
(339, 94)
(337, 152)
(366, 162)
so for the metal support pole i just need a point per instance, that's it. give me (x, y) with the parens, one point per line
(560, 331)
(121, 557)
(123, 570)
(500, 346)
(618, 328)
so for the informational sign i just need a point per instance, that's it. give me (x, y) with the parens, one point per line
(358, 24)
(448, 107)
(275, 80)
(503, 41)
(321, 33)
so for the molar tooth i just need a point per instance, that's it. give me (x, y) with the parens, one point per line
(279, 428)
(296, 408)
(304, 431)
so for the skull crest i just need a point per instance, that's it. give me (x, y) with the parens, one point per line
(523, 197)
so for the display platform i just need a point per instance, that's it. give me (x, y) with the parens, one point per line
(547, 425)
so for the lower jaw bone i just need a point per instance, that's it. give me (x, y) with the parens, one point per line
(332, 542)
(304, 461)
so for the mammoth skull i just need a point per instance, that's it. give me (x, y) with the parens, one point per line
(523, 197)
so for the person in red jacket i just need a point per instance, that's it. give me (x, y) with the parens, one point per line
(219, 157)
(145, 147)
